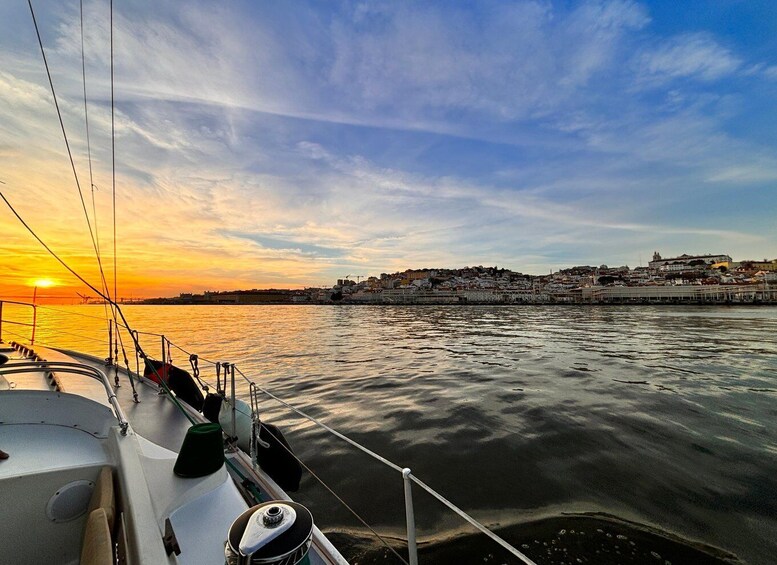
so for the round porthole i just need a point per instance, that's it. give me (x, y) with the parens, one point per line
(70, 501)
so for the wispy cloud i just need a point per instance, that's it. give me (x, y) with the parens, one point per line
(694, 55)
(262, 144)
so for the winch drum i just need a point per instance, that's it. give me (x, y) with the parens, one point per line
(278, 532)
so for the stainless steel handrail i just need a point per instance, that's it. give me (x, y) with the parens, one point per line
(77, 369)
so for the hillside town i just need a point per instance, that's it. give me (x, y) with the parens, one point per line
(689, 279)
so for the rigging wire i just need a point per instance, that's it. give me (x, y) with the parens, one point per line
(20, 336)
(120, 341)
(64, 135)
(324, 426)
(51, 252)
(69, 312)
(74, 313)
(72, 334)
(116, 309)
(106, 295)
(89, 152)
(189, 353)
(86, 119)
(73, 272)
(113, 162)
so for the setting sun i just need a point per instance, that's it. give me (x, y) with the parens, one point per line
(43, 283)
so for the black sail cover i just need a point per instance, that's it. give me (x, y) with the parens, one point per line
(278, 460)
(178, 380)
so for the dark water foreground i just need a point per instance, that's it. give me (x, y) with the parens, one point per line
(662, 417)
(564, 540)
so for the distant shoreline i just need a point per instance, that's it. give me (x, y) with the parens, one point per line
(462, 304)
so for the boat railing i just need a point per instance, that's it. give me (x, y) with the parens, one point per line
(68, 367)
(228, 386)
(226, 373)
(32, 325)
(408, 478)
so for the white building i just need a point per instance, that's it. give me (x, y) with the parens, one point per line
(685, 262)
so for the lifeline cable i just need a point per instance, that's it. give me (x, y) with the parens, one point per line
(333, 493)
(396, 467)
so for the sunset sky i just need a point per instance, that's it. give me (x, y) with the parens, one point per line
(287, 144)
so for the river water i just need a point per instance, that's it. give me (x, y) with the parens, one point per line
(582, 434)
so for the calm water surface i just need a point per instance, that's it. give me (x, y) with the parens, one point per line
(660, 416)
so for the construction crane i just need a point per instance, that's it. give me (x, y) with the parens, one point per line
(357, 277)
(84, 299)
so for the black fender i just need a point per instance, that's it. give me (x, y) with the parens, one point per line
(211, 407)
(278, 460)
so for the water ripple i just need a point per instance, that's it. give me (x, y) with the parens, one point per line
(661, 416)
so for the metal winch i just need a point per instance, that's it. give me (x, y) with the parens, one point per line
(278, 532)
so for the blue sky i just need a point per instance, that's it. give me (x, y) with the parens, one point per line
(292, 143)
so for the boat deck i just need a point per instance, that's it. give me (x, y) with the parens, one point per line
(158, 419)
(51, 448)
(155, 417)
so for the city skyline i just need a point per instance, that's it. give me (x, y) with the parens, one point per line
(685, 269)
(289, 145)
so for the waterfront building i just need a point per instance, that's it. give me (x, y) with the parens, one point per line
(685, 262)
(715, 293)
(480, 296)
(272, 296)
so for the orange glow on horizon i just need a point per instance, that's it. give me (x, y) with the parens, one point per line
(153, 260)
(176, 249)
(141, 277)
